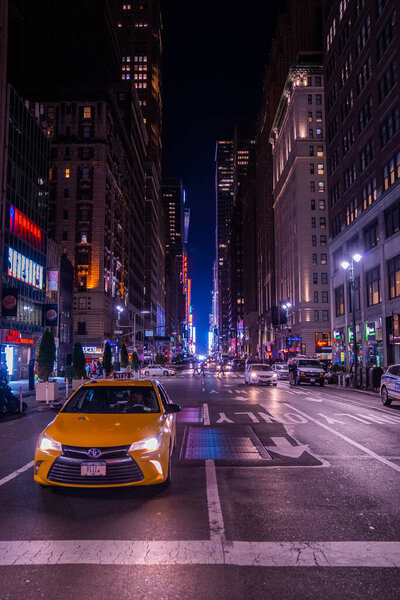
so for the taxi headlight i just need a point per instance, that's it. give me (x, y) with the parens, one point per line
(274, 375)
(149, 444)
(254, 375)
(46, 443)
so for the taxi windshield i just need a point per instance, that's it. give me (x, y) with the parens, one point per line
(113, 400)
(261, 368)
(281, 367)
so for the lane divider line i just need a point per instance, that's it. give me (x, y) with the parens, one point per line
(371, 453)
(216, 519)
(16, 473)
(206, 414)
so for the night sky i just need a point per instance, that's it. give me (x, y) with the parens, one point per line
(214, 61)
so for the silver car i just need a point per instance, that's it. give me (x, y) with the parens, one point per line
(282, 370)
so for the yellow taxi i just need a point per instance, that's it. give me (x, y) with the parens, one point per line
(107, 434)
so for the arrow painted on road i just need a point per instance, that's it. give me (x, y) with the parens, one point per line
(285, 448)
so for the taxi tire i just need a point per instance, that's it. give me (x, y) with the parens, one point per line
(386, 401)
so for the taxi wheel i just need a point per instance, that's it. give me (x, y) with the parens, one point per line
(147, 374)
(386, 401)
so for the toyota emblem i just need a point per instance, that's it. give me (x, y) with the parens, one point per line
(94, 452)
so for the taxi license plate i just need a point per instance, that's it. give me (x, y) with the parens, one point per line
(93, 469)
(312, 379)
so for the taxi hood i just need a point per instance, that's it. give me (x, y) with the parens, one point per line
(81, 429)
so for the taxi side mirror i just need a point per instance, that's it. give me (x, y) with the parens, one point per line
(172, 408)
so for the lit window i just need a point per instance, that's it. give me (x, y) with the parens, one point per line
(320, 169)
(50, 173)
(119, 25)
(67, 173)
(320, 151)
(87, 112)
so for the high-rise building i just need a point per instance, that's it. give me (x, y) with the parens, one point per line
(362, 55)
(97, 187)
(24, 235)
(173, 196)
(224, 189)
(299, 29)
(301, 212)
(138, 27)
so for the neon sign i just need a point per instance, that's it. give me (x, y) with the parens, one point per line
(25, 229)
(24, 269)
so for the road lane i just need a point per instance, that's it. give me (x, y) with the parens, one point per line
(318, 502)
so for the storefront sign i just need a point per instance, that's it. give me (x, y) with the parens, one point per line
(337, 336)
(14, 337)
(51, 315)
(9, 302)
(370, 331)
(25, 229)
(350, 334)
(294, 339)
(92, 350)
(25, 269)
(52, 282)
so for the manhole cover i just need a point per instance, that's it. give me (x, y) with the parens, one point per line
(223, 443)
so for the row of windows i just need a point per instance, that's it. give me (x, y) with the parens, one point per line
(320, 150)
(320, 168)
(324, 297)
(323, 259)
(321, 204)
(325, 315)
(322, 222)
(318, 116)
(372, 287)
(322, 240)
(390, 126)
(321, 186)
(324, 280)
(318, 99)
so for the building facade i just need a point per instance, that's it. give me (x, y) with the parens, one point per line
(301, 212)
(362, 55)
(224, 190)
(24, 203)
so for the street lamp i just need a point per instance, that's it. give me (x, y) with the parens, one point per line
(286, 305)
(349, 266)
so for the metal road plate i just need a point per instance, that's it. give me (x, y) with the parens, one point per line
(190, 415)
(223, 443)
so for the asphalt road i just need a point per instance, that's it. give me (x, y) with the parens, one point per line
(278, 493)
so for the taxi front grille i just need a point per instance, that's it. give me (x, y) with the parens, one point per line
(118, 471)
(106, 452)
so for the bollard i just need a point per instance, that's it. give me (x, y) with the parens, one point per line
(66, 388)
(20, 399)
(47, 392)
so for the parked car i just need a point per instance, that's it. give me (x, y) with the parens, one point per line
(109, 433)
(390, 385)
(156, 371)
(281, 369)
(258, 373)
(306, 370)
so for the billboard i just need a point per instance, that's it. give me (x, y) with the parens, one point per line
(25, 269)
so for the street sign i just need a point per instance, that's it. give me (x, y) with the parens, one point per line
(118, 331)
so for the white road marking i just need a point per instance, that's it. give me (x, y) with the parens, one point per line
(216, 520)
(206, 414)
(201, 552)
(230, 391)
(313, 399)
(381, 459)
(285, 448)
(16, 473)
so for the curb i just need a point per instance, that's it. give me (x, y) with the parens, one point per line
(340, 387)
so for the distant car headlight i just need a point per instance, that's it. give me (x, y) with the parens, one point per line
(46, 443)
(149, 444)
(274, 375)
(254, 376)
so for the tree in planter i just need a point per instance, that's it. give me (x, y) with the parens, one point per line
(78, 361)
(107, 364)
(124, 357)
(46, 356)
(160, 358)
(135, 361)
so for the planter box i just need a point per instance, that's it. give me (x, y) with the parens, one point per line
(76, 383)
(52, 391)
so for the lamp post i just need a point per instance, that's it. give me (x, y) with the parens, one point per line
(142, 312)
(349, 266)
(286, 305)
(120, 309)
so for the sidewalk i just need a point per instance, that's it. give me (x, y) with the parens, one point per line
(29, 396)
(351, 389)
